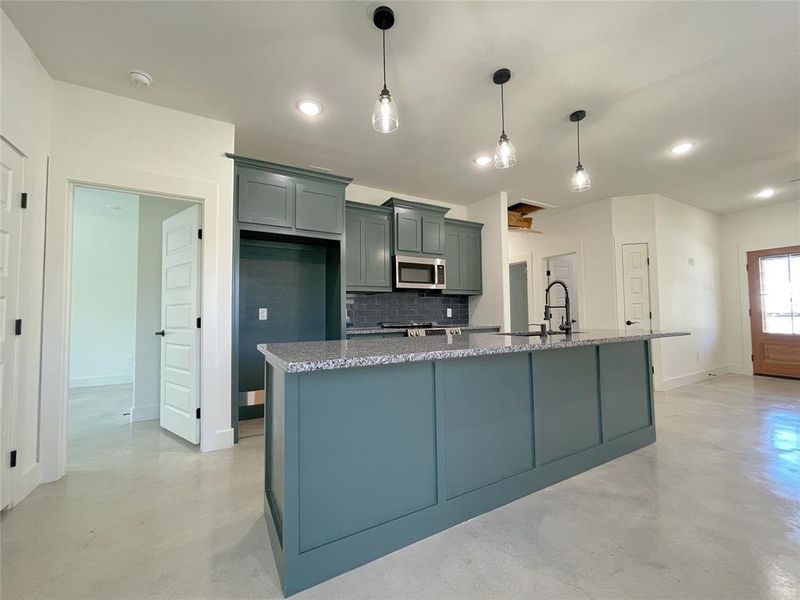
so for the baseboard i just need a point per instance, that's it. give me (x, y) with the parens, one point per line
(145, 413)
(220, 440)
(84, 382)
(671, 383)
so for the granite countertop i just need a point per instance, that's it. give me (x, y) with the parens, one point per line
(301, 357)
(373, 330)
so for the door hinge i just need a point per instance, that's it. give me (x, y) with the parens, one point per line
(651, 314)
(747, 267)
(23, 200)
(200, 234)
(750, 312)
(752, 359)
(653, 370)
(198, 322)
(197, 412)
(18, 327)
(548, 272)
(12, 461)
(648, 260)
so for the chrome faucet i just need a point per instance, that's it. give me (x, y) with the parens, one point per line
(566, 321)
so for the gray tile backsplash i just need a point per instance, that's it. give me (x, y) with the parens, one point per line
(367, 310)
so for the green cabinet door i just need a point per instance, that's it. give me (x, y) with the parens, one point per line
(471, 262)
(319, 207)
(463, 256)
(354, 249)
(265, 198)
(452, 257)
(378, 251)
(433, 236)
(408, 230)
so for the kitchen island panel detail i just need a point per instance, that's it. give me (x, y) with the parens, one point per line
(624, 380)
(366, 449)
(488, 436)
(567, 401)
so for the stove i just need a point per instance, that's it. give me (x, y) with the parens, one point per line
(424, 329)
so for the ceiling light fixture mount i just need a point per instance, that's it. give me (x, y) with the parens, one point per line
(384, 115)
(505, 155)
(140, 78)
(580, 180)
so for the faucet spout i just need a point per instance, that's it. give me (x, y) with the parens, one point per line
(566, 325)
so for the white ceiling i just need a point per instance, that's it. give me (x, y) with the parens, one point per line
(723, 74)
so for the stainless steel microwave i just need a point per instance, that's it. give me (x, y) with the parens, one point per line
(419, 272)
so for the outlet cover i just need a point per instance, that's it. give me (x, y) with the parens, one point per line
(449, 312)
(262, 314)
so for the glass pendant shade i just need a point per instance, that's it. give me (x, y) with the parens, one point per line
(505, 155)
(384, 116)
(581, 181)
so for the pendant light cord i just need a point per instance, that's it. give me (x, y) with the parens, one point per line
(502, 111)
(384, 59)
(579, 142)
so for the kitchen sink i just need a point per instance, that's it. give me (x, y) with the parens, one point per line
(534, 333)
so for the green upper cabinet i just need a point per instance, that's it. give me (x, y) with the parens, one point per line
(418, 228)
(463, 257)
(265, 198)
(288, 200)
(368, 247)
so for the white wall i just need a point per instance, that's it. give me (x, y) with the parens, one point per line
(492, 307)
(117, 142)
(146, 389)
(757, 229)
(103, 305)
(25, 119)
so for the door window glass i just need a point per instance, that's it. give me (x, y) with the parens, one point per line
(780, 293)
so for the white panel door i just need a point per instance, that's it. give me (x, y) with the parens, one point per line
(180, 309)
(12, 173)
(563, 268)
(636, 286)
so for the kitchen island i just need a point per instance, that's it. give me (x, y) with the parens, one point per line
(372, 444)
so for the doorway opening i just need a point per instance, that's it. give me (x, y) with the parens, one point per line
(563, 267)
(774, 284)
(134, 345)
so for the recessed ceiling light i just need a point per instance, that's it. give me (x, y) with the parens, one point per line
(482, 160)
(766, 193)
(682, 148)
(309, 107)
(140, 78)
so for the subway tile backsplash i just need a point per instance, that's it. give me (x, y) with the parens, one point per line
(367, 310)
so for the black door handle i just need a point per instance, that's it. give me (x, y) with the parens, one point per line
(631, 322)
(161, 333)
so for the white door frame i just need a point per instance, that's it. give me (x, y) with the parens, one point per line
(619, 242)
(63, 177)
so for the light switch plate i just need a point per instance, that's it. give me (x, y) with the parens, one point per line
(449, 312)
(262, 314)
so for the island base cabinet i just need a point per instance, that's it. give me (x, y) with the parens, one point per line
(363, 461)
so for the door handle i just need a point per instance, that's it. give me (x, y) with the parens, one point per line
(161, 333)
(626, 323)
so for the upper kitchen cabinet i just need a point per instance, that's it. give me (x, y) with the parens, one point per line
(368, 247)
(463, 257)
(282, 199)
(418, 228)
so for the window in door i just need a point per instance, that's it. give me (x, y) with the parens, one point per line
(780, 293)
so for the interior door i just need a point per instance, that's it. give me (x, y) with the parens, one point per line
(518, 284)
(12, 173)
(774, 282)
(564, 267)
(180, 334)
(636, 286)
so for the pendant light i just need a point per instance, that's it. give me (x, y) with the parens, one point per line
(505, 155)
(384, 115)
(580, 180)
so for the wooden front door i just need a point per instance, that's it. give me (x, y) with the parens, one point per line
(774, 280)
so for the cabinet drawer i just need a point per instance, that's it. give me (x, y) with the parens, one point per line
(265, 198)
(319, 207)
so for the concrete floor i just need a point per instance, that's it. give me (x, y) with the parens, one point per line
(712, 510)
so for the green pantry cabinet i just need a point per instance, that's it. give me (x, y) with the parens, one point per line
(374, 234)
(289, 259)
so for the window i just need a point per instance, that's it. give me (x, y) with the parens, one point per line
(780, 293)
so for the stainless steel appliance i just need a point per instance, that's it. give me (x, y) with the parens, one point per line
(419, 272)
(422, 329)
